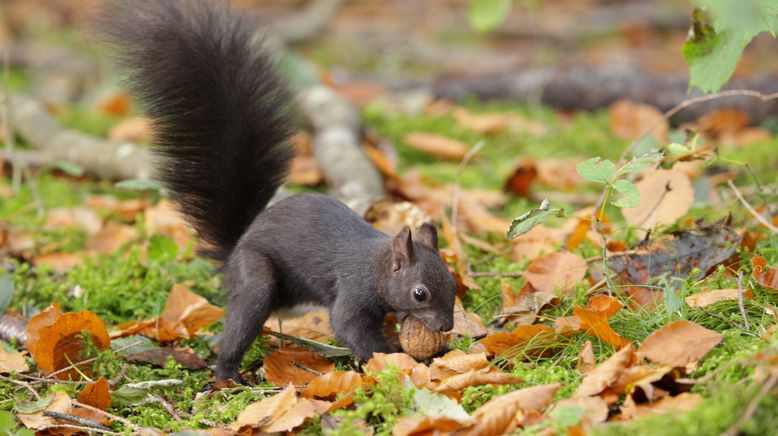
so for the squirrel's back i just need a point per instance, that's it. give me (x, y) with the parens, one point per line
(219, 108)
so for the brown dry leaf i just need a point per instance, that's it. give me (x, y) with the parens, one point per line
(12, 361)
(467, 323)
(305, 171)
(496, 122)
(595, 410)
(595, 323)
(767, 277)
(380, 361)
(135, 129)
(69, 217)
(566, 324)
(679, 343)
(111, 237)
(529, 339)
(420, 375)
(390, 216)
(489, 375)
(425, 425)
(524, 310)
(559, 173)
(164, 219)
(303, 409)
(665, 196)
(722, 121)
(189, 310)
(558, 271)
(96, 394)
(535, 243)
(59, 262)
(456, 362)
(605, 304)
(53, 337)
(504, 413)
(479, 219)
(60, 403)
(116, 104)
(643, 377)
(586, 361)
(293, 365)
(680, 403)
(630, 119)
(266, 411)
(314, 325)
(606, 373)
(707, 298)
(520, 182)
(328, 385)
(436, 145)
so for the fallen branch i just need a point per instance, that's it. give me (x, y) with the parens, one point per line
(78, 420)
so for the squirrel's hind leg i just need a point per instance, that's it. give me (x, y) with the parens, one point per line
(251, 282)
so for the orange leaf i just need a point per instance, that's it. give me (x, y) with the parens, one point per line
(679, 343)
(707, 298)
(680, 403)
(500, 415)
(436, 145)
(111, 237)
(665, 196)
(53, 337)
(59, 262)
(96, 394)
(520, 182)
(313, 325)
(426, 425)
(456, 362)
(630, 119)
(556, 271)
(293, 365)
(606, 373)
(595, 323)
(326, 386)
(605, 304)
(281, 412)
(190, 310)
(381, 361)
(767, 277)
(586, 361)
(482, 376)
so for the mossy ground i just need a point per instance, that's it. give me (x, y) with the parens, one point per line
(123, 286)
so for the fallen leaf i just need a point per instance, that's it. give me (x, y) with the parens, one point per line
(294, 365)
(456, 362)
(54, 337)
(707, 298)
(680, 403)
(595, 323)
(665, 196)
(501, 414)
(467, 323)
(314, 325)
(558, 271)
(565, 324)
(69, 217)
(303, 409)
(586, 361)
(594, 409)
(478, 377)
(767, 277)
(269, 411)
(164, 219)
(96, 394)
(391, 216)
(135, 129)
(59, 262)
(525, 309)
(111, 237)
(631, 119)
(606, 373)
(327, 386)
(525, 339)
(425, 425)
(535, 243)
(60, 403)
(520, 182)
(12, 361)
(158, 356)
(436, 145)
(559, 174)
(305, 170)
(679, 343)
(490, 123)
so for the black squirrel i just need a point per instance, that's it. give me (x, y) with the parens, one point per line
(221, 117)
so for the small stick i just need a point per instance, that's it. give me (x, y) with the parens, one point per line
(305, 368)
(119, 376)
(750, 209)
(51, 380)
(82, 429)
(167, 406)
(110, 416)
(740, 303)
(458, 186)
(83, 421)
(719, 317)
(751, 409)
(22, 384)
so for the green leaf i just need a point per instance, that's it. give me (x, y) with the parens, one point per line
(486, 15)
(438, 405)
(721, 30)
(27, 406)
(676, 150)
(629, 196)
(7, 422)
(139, 185)
(596, 170)
(128, 396)
(319, 348)
(637, 164)
(6, 291)
(132, 344)
(525, 222)
(161, 248)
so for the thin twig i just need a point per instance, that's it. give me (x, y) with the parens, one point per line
(719, 317)
(752, 407)
(740, 303)
(110, 416)
(305, 368)
(458, 186)
(51, 380)
(167, 406)
(78, 420)
(22, 384)
(750, 209)
(119, 376)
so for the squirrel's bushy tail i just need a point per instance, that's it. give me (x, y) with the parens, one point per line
(219, 108)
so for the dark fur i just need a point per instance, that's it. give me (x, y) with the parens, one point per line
(221, 120)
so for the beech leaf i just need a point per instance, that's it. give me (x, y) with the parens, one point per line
(679, 343)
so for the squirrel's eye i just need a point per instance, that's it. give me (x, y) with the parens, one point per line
(419, 294)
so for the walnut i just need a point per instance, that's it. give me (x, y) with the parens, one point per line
(417, 340)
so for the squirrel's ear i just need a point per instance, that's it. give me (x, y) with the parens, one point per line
(402, 249)
(428, 236)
